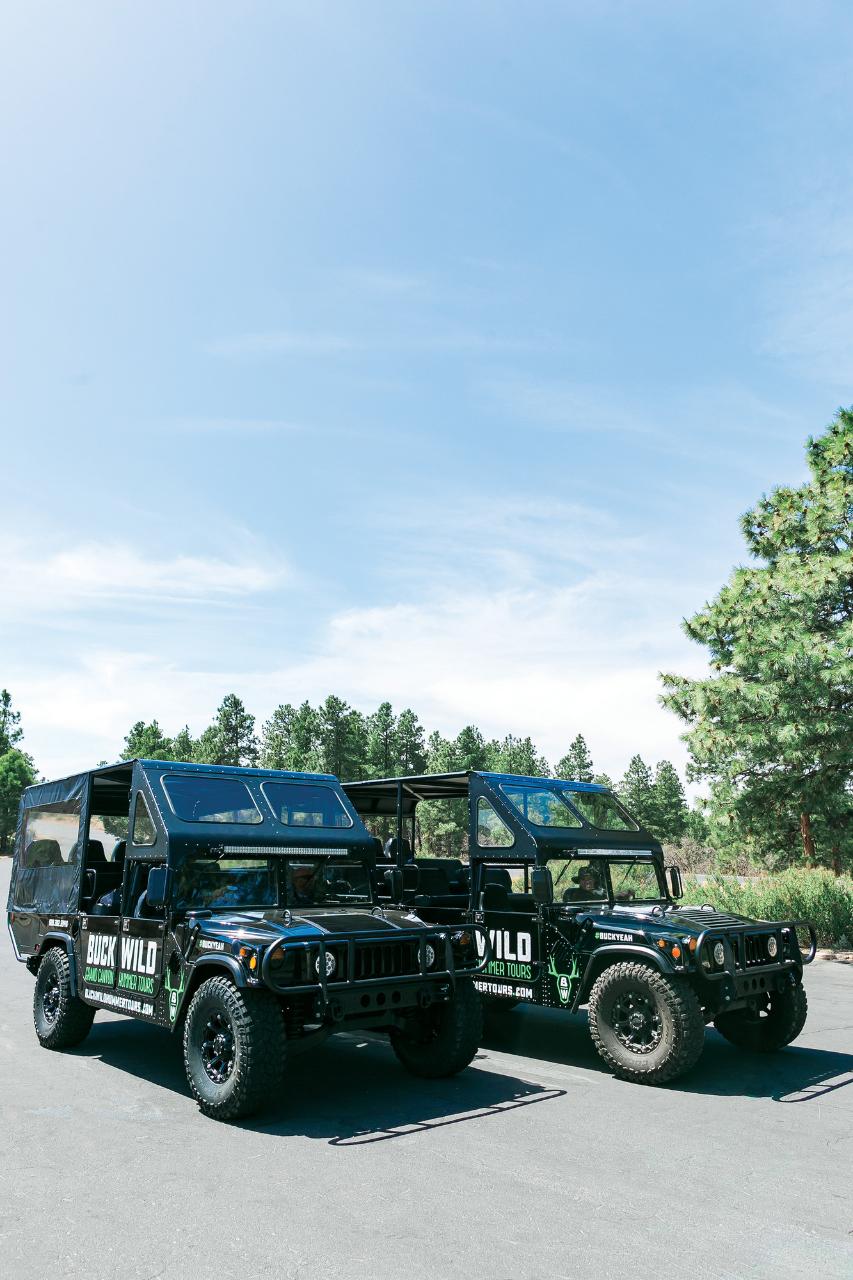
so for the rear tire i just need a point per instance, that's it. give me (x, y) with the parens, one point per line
(442, 1040)
(767, 1030)
(648, 1028)
(61, 1019)
(234, 1048)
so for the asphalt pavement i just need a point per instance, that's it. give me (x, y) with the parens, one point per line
(533, 1163)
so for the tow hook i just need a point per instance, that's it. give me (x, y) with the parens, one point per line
(424, 999)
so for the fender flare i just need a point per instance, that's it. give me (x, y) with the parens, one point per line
(221, 961)
(631, 951)
(68, 943)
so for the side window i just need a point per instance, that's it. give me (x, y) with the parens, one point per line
(50, 837)
(143, 828)
(492, 831)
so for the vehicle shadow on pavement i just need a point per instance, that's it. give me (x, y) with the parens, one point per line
(796, 1074)
(350, 1091)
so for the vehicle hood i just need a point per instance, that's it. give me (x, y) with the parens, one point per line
(640, 921)
(264, 926)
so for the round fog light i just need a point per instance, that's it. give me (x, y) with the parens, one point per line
(430, 956)
(331, 964)
(772, 947)
(719, 954)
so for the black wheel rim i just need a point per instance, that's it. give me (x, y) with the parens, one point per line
(636, 1021)
(217, 1048)
(50, 999)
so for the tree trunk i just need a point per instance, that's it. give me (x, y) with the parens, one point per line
(808, 838)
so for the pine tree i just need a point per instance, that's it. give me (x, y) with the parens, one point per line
(342, 739)
(516, 755)
(10, 723)
(636, 791)
(576, 765)
(231, 738)
(770, 726)
(411, 748)
(183, 746)
(147, 742)
(382, 745)
(670, 806)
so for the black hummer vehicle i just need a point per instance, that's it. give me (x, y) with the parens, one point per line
(239, 906)
(581, 910)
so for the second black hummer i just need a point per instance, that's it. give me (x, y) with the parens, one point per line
(237, 906)
(581, 910)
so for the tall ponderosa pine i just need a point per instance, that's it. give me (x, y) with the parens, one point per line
(576, 765)
(637, 791)
(670, 806)
(147, 742)
(771, 725)
(231, 738)
(16, 769)
(11, 732)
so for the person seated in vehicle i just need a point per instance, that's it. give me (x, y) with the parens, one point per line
(588, 887)
(305, 888)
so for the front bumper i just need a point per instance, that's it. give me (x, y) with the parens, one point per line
(747, 969)
(349, 989)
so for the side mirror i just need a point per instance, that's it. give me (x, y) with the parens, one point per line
(676, 887)
(159, 888)
(542, 886)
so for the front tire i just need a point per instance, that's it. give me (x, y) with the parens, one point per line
(764, 1030)
(234, 1048)
(648, 1028)
(442, 1040)
(61, 1019)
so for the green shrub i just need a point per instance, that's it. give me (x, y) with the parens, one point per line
(826, 900)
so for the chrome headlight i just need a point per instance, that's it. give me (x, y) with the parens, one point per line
(331, 964)
(772, 947)
(429, 955)
(719, 954)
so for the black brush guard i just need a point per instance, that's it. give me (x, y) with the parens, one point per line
(441, 939)
(740, 955)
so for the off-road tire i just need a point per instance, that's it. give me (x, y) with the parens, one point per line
(771, 1029)
(61, 1018)
(672, 1002)
(442, 1040)
(254, 1022)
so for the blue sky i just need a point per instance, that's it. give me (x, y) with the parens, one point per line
(420, 351)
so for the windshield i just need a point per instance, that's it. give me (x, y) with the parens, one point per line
(316, 881)
(238, 882)
(204, 883)
(579, 880)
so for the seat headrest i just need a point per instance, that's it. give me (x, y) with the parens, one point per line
(495, 897)
(119, 850)
(497, 875)
(393, 847)
(95, 853)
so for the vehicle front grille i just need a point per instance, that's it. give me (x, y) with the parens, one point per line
(385, 959)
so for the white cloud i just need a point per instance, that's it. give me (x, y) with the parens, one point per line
(32, 579)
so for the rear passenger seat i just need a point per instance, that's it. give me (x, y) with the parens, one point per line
(443, 883)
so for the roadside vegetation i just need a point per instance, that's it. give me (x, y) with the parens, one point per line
(800, 893)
